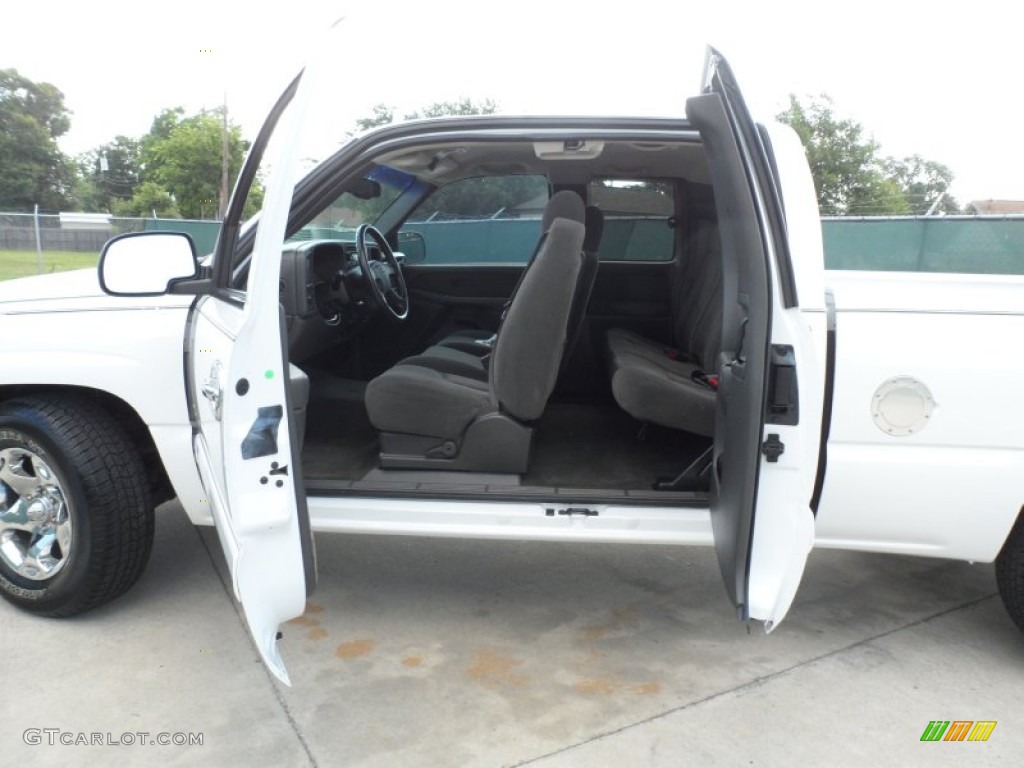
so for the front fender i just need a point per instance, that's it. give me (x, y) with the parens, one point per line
(135, 355)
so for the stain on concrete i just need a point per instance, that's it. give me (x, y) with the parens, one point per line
(412, 661)
(304, 621)
(355, 648)
(619, 620)
(312, 607)
(647, 689)
(595, 633)
(652, 587)
(317, 633)
(491, 667)
(596, 686)
(603, 686)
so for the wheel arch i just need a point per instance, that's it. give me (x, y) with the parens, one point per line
(124, 414)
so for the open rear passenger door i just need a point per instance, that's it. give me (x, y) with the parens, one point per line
(760, 513)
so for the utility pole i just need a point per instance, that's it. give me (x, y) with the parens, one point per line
(224, 192)
(935, 204)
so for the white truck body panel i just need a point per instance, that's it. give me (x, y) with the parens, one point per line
(953, 488)
(520, 521)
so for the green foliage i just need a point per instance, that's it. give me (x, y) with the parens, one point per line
(149, 197)
(385, 115)
(108, 174)
(849, 176)
(166, 121)
(183, 156)
(382, 115)
(175, 169)
(464, 106)
(923, 182)
(32, 168)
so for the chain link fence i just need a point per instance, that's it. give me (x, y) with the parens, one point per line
(56, 232)
(32, 244)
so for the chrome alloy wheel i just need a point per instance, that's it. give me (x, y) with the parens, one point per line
(35, 522)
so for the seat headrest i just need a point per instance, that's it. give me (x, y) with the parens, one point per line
(562, 205)
(594, 221)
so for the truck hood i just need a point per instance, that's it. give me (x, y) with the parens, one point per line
(78, 290)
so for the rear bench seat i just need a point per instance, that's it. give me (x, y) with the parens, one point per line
(668, 385)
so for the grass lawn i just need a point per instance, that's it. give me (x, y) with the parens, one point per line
(23, 263)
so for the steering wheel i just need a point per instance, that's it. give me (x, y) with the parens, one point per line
(383, 275)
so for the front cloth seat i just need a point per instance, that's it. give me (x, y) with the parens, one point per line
(432, 419)
(476, 342)
(466, 352)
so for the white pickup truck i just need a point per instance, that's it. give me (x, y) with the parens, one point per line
(669, 364)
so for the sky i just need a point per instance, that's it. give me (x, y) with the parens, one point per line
(921, 79)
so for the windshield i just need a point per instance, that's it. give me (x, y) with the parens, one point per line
(364, 202)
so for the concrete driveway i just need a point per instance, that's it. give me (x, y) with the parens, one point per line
(419, 652)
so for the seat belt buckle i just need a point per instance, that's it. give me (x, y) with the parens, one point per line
(709, 380)
(675, 354)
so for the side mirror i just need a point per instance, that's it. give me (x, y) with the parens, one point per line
(413, 246)
(146, 263)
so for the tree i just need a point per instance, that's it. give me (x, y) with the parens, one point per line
(848, 175)
(166, 121)
(923, 182)
(108, 174)
(33, 170)
(183, 156)
(148, 199)
(385, 115)
(382, 115)
(464, 106)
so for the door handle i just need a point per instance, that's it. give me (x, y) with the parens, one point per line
(213, 392)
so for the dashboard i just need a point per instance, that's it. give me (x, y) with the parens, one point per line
(324, 294)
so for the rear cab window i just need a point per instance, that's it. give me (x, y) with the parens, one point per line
(639, 218)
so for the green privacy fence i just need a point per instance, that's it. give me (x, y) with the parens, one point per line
(958, 244)
(970, 244)
(967, 244)
(513, 240)
(203, 233)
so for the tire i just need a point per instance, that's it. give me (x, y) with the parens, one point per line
(76, 516)
(1010, 573)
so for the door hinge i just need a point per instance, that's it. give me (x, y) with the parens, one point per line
(569, 511)
(773, 447)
